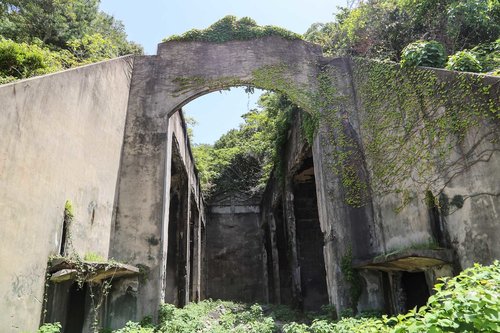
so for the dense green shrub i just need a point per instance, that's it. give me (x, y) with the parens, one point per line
(380, 29)
(50, 328)
(21, 60)
(132, 327)
(44, 36)
(213, 316)
(470, 302)
(488, 55)
(423, 53)
(465, 61)
(230, 28)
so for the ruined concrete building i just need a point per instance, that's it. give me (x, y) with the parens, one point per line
(396, 184)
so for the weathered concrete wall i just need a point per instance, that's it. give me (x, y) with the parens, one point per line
(234, 249)
(144, 242)
(467, 171)
(348, 230)
(380, 223)
(62, 137)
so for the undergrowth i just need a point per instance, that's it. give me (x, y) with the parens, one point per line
(469, 302)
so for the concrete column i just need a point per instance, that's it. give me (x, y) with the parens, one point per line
(187, 249)
(276, 264)
(139, 221)
(333, 220)
(195, 293)
(166, 212)
(265, 273)
(292, 242)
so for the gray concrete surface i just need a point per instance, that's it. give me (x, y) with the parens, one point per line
(61, 140)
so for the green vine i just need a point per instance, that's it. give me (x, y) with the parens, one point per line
(342, 150)
(353, 277)
(68, 222)
(412, 119)
(309, 126)
(85, 270)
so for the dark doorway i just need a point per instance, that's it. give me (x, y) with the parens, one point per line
(75, 317)
(415, 288)
(175, 292)
(309, 239)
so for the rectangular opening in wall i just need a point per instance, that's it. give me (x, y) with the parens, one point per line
(177, 224)
(310, 240)
(66, 304)
(75, 317)
(415, 289)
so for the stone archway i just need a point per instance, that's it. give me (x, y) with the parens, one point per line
(161, 85)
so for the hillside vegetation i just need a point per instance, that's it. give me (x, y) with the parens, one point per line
(467, 30)
(39, 37)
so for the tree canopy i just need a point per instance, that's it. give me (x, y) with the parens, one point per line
(59, 33)
(381, 29)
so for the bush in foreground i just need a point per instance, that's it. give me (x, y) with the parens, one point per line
(424, 53)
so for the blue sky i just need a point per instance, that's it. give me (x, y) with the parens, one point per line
(149, 21)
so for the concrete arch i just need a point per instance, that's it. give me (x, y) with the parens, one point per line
(161, 85)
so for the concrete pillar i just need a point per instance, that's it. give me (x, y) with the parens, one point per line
(140, 214)
(197, 261)
(187, 250)
(276, 264)
(292, 242)
(334, 221)
(166, 212)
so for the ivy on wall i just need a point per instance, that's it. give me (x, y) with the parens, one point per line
(413, 120)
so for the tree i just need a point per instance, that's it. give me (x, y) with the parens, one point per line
(58, 22)
(54, 22)
(43, 36)
(380, 29)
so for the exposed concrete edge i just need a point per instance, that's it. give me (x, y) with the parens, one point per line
(191, 156)
(65, 269)
(400, 260)
(79, 68)
(314, 48)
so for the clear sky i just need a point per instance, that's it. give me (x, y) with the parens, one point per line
(147, 22)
